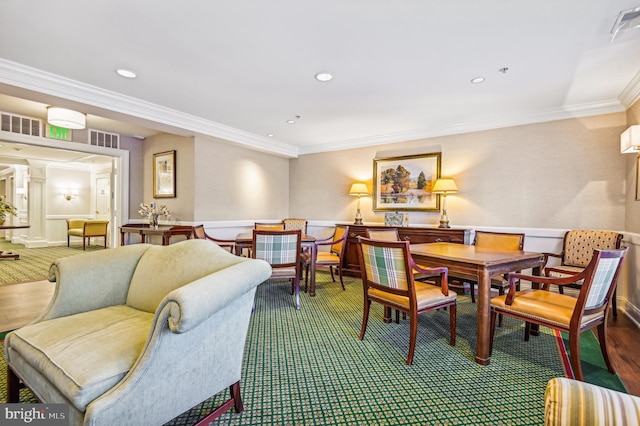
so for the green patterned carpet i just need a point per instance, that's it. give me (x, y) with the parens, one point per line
(33, 264)
(308, 367)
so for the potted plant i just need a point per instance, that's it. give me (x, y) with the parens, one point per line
(5, 209)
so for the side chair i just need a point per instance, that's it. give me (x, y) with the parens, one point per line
(577, 249)
(331, 258)
(86, 229)
(281, 249)
(199, 233)
(387, 278)
(562, 312)
(269, 226)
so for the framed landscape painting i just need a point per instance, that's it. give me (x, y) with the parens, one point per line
(164, 175)
(404, 183)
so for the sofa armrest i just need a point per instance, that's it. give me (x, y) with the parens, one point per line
(571, 402)
(92, 281)
(193, 303)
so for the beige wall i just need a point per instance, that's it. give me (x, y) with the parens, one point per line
(561, 174)
(181, 207)
(632, 214)
(234, 183)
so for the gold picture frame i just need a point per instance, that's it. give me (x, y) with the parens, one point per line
(404, 183)
(164, 174)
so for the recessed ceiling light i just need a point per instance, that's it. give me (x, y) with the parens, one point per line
(126, 73)
(270, 135)
(324, 76)
(477, 80)
(291, 121)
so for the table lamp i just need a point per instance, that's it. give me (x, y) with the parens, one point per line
(358, 190)
(444, 187)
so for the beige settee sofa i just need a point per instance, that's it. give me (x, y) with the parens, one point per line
(570, 402)
(136, 335)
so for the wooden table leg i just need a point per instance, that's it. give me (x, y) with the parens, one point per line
(312, 270)
(483, 302)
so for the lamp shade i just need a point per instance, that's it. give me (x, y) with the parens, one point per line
(66, 118)
(444, 186)
(630, 140)
(359, 189)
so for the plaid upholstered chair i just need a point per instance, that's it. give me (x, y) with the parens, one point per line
(562, 312)
(577, 249)
(387, 279)
(281, 249)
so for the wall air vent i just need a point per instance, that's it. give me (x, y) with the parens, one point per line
(104, 139)
(627, 20)
(18, 124)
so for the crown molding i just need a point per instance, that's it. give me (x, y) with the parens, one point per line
(631, 94)
(575, 111)
(15, 74)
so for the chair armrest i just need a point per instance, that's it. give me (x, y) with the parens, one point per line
(546, 256)
(197, 301)
(92, 281)
(435, 271)
(545, 281)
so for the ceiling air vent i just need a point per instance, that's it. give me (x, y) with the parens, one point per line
(627, 20)
(107, 140)
(19, 124)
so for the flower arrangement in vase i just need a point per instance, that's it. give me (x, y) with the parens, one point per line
(151, 211)
(5, 209)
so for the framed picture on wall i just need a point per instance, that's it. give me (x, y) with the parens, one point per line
(164, 174)
(404, 183)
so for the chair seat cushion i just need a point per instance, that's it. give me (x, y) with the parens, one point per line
(325, 257)
(546, 306)
(86, 354)
(427, 296)
(75, 232)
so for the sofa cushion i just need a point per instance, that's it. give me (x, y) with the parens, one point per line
(163, 269)
(86, 354)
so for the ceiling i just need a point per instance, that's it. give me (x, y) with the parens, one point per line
(238, 70)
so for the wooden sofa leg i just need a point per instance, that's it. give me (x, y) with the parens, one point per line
(234, 401)
(13, 386)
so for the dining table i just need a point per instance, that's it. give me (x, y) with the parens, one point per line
(145, 231)
(483, 263)
(244, 240)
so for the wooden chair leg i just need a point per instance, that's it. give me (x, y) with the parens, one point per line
(365, 317)
(614, 304)
(332, 277)
(413, 335)
(341, 280)
(602, 338)
(492, 332)
(472, 290)
(527, 331)
(574, 348)
(500, 293)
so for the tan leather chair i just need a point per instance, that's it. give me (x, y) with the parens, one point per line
(562, 312)
(86, 229)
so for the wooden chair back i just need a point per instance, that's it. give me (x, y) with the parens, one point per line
(269, 226)
(499, 240)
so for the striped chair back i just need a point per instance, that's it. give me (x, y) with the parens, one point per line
(606, 266)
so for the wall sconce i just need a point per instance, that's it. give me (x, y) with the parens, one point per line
(70, 194)
(358, 190)
(630, 140)
(444, 187)
(66, 118)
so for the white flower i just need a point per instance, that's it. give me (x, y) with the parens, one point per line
(148, 210)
